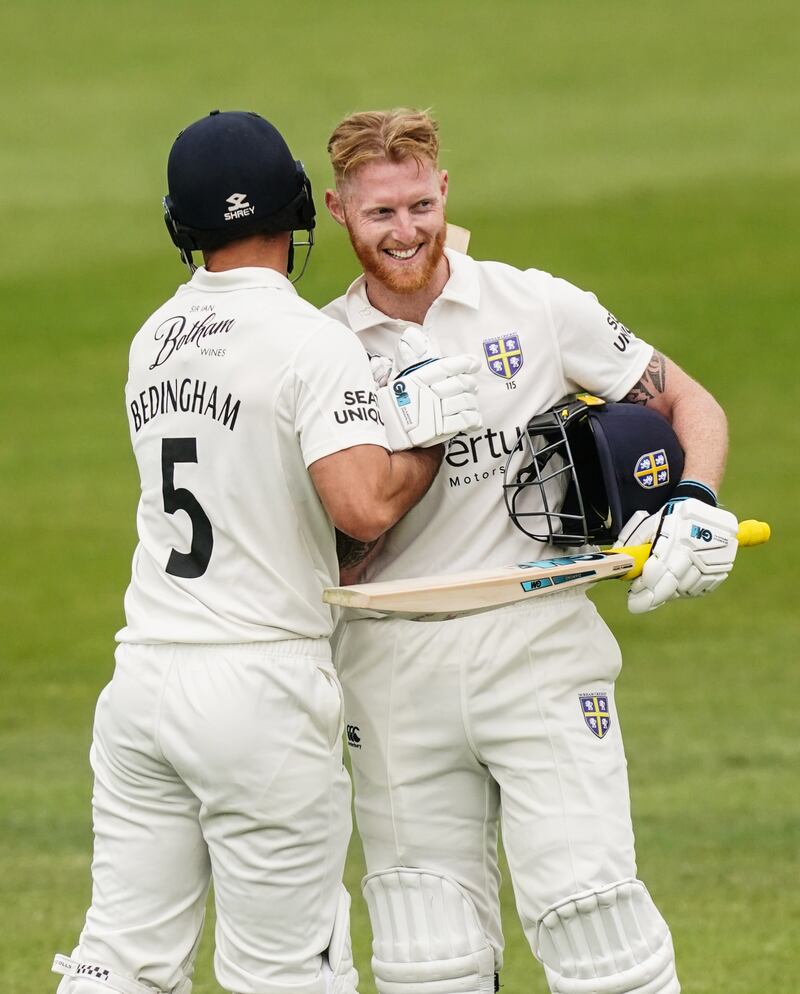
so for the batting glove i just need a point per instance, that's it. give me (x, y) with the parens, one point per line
(381, 368)
(693, 548)
(413, 347)
(431, 398)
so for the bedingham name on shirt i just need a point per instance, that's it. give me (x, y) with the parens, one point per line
(187, 396)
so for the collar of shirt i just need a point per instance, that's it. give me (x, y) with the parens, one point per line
(245, 278)
(461, 288)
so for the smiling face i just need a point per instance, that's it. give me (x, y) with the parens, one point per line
(394, 213)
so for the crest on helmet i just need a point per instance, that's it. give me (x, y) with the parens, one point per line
(652, 470)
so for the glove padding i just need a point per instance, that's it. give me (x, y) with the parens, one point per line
(431, 399)
(694, 547)
(381, 368)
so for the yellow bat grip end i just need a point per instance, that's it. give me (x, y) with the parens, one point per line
(753, 532)
(639, 554)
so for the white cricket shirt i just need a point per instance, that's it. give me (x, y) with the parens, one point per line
(538, 338)
(236, 385)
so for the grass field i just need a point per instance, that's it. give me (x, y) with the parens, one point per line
(650, 152)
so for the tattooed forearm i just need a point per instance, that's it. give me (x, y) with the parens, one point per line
(350, 551)
(653, 381)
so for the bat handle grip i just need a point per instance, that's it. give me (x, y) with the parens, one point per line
(639, 554)
(750, 532)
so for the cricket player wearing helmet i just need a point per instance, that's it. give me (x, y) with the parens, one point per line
(507, 715)
(217, 744)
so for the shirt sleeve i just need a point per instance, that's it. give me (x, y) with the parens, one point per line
(598, 352)
(336, 405)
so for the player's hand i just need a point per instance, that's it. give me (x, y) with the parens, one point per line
(694, 547)
(412, 348)
(431, 398)
(381, 368)
(639, 529)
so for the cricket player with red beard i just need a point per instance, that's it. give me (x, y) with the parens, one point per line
(458, 727)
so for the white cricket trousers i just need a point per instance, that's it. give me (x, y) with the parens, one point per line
(465, 723)
(223, 764)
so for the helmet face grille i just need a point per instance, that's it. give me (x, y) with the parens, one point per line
(540, 484)
(581, 469)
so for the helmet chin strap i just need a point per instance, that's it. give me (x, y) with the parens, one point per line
(308, 244)
(186, 258)
(181, 239)
(185, 249)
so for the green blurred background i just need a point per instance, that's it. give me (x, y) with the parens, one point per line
(647, 151)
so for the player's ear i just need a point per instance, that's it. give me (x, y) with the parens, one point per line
(333, 202)
(443, 179)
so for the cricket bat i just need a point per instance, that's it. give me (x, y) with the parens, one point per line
(439, 598)
(457, 238)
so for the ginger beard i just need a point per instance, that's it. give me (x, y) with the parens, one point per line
(409, 277)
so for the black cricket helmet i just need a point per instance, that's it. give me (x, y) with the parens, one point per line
(229, 175)
(581, 469)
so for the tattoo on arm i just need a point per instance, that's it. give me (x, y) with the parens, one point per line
(653, 381)
(350, 551)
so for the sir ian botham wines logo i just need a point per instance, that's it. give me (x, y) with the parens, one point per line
(239, 207)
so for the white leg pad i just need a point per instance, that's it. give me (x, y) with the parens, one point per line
(337, 966)
(427, 938)
(82, 976)
(612, 941)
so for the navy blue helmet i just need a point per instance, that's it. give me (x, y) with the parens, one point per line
(230, 175)
(581, 469)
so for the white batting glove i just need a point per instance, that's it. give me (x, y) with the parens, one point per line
(694, 547)
(640, 528)
(431, 398)
(381, 368)
(412, 347)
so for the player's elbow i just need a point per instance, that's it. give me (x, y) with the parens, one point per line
(364, 514)
(367, 533)
(719, 415)
(364, 525)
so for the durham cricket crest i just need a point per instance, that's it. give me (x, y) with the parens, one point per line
(652, 470)
(596, 713)
(503, 355)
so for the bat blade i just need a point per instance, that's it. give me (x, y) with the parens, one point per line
(436, 598)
